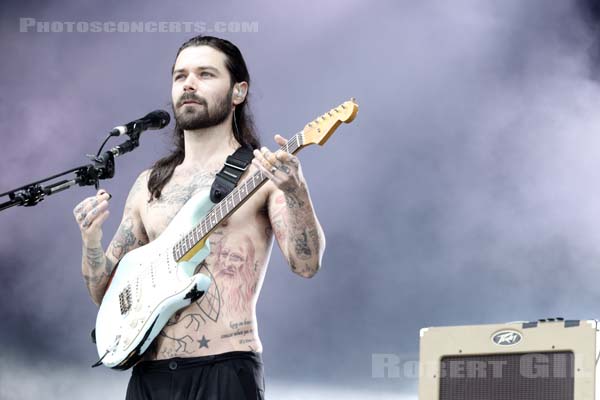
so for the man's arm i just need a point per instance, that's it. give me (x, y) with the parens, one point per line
(97, 266)
(291, 212)
(297, 230)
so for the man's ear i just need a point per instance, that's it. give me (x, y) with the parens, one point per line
(240, 90)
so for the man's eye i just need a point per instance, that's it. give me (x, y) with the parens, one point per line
(177, 77)
(206, 74)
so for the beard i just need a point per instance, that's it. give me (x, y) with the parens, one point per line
(199, 116)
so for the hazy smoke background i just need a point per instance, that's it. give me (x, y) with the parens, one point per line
(465, 192)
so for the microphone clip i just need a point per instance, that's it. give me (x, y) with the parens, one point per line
(103, 167)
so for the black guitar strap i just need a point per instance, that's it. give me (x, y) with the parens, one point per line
(226, 179)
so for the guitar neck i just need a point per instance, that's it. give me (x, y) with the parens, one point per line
(229, 205)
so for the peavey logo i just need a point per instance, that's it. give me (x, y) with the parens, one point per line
(507, 338)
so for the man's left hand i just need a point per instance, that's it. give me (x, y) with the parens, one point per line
(281, 167)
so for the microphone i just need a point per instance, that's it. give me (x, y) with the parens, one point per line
(157, 119)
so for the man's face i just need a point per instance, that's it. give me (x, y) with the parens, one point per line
(201, 91)
(232, 260)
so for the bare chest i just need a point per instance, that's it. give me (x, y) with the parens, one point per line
(157, 215)
(224, 318)
(250, 218)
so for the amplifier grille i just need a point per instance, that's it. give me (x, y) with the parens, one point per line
(517, 376)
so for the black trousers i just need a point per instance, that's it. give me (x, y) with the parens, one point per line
(236, 375)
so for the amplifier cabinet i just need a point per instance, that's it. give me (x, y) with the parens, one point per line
(544, 360)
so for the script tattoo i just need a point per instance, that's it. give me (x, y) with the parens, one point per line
(241, 329)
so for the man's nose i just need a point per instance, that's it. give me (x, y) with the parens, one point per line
(189, 88)
(189, 85)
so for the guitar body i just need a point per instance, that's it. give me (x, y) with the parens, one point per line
(148, 287)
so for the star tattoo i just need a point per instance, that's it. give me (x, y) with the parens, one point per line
(204, 342)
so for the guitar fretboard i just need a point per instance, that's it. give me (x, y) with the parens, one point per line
(229, 204)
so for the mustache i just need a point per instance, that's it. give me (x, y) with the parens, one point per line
(190, 97)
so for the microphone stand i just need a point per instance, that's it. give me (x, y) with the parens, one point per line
(103, 167)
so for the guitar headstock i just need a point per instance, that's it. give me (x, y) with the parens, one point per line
(319, 130)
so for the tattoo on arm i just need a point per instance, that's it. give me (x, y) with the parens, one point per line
(292, 199)
(297, 230)
(100, 267)
(94, 257)
(93, 281)
(124, 239)
(301, 246)
(131, 232)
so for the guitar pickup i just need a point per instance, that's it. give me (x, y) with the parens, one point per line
(125, 300)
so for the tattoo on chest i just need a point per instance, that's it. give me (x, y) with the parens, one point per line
(178, 192)
(175, 194)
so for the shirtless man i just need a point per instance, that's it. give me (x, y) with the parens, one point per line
(210, 349)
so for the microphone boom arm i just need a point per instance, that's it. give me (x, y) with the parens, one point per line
(103, 167)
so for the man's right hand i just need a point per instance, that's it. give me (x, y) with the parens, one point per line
(90, 214)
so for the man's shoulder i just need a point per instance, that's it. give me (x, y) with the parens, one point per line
(144, 175)
(139, 189)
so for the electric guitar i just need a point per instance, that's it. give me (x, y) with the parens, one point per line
(154, 281)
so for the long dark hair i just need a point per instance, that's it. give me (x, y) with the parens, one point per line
(244, 130)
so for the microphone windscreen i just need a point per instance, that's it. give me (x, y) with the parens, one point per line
(158, 119)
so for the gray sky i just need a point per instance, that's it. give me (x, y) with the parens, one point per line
(465, 191)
